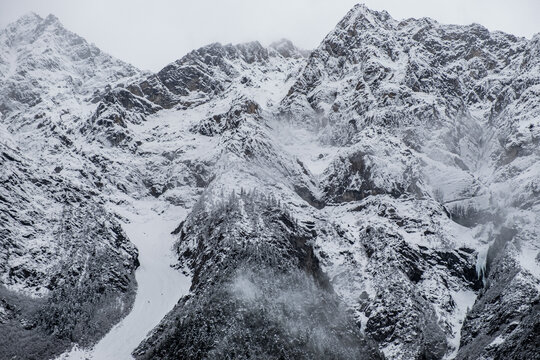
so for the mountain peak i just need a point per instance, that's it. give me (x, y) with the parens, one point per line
(287, 49)
(30, 27)
(38, 54)
(52, 19)
(27, 18)
(32, 20)
(362, 16)
(26, 23)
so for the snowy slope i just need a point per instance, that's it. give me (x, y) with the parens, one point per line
(159, 286)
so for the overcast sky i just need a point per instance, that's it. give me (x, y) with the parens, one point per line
(150, 34)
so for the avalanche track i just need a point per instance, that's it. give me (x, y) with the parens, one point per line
(159, 285)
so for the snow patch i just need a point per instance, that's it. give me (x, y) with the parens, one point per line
(464, 300)
(159, 285)
(497, 341)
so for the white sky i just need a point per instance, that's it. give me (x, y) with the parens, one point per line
(150, 34)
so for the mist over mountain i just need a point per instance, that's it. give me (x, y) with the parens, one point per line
(377, 197)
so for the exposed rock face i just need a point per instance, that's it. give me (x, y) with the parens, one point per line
(379, 197)
(504, 321)
(212, 70)
(219, 123)
(116, 109)
(362, 170)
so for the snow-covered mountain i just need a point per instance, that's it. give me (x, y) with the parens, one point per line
(67, 268)
(429, 114)
(375, 198)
